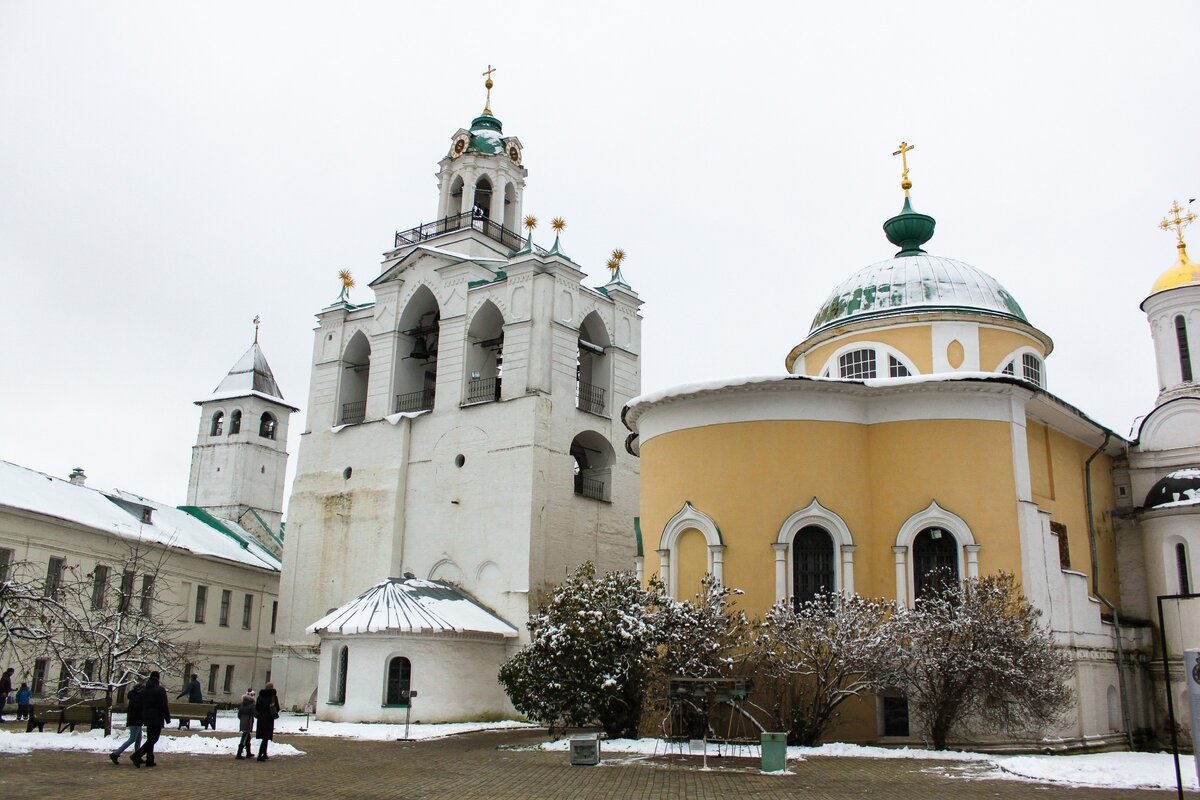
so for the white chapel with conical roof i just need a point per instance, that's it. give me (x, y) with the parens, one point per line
(463, 449)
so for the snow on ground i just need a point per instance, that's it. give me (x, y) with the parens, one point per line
(225, 740)
(290, 724)
(96, 742)
(1094, 770)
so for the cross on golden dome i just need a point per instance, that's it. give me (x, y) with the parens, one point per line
(905, 183)
(1177, 221)
(487, 105)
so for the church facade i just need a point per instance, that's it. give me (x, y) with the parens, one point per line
(463, 431)
(913, 432)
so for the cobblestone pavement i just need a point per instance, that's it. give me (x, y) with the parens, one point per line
(477, 766)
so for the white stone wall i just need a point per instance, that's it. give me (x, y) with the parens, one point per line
(454, 677)
(391, 495)
(35, 539)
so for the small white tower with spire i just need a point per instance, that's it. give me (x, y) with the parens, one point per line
(239, 461)
(1173, 310)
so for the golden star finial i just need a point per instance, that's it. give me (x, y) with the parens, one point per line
(558, 223)
(346, 278)
(530, 222)
(1177, 221)
(905, 183)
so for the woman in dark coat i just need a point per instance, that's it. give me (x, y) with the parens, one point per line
(246, 714)
(266, 709)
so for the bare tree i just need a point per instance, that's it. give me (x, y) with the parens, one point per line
(103, 630)
(976, 651)
(816, 655)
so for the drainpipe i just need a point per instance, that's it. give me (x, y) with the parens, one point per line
(1091, 525)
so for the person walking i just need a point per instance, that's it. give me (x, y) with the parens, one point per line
(192, 690)
(246, 715)
(133, 723)
(23, 696)
(5, 689)
(266, 709)
(156, 712)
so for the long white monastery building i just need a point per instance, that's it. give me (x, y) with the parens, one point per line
(464, 426)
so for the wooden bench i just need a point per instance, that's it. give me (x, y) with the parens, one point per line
(66, 717)
(204, 713)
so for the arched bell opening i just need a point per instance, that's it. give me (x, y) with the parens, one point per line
(415, 373)
(356, 373)
(592, 456)
(483, 199)
(484, 357)
(593, 371)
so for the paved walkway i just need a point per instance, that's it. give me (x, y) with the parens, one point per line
(477, 766)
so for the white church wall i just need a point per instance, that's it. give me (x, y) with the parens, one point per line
(454, 677)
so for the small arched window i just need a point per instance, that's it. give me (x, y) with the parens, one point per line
(1185, 355)
(399, 676)
(341, 667)
(218, 424)
(235, 422)
(266, 426)
(812, 564)
(935, 561)
(1181, 569)
(857, 364)
(1031, 368)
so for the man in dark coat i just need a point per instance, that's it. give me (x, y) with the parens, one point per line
(192, 690)
(266, 710)
(5, 689)
(156, 712)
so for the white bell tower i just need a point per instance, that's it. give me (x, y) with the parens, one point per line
(1173, 310)
(482, 174)
(239, 461)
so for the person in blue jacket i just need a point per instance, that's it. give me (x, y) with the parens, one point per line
(23, 696)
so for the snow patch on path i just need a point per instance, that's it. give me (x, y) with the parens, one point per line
(96, 742)
(289, 724)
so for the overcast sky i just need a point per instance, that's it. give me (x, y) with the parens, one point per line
(170, 170)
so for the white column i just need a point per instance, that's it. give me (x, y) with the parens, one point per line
(781, 550)
(972, 551)
(468, 195)
(716, 554)
(497, 209)
(848, 569)
(664, 569)
(901, 575)
(639, 568)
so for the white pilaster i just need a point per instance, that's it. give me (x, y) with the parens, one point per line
(972, 551)
(716, 554)
(781, 550)
(901, 554)
(664, 567)
(848, 568)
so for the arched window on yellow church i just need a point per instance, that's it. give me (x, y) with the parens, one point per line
(812, 564)
(935, 561)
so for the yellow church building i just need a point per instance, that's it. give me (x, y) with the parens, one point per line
(913, 432)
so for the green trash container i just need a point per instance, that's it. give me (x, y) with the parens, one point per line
(774, 752)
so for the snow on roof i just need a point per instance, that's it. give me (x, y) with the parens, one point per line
(412, 605)
(29, 490)
(251, 375)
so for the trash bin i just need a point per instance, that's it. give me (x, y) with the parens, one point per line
(774, 752)
(585, 750)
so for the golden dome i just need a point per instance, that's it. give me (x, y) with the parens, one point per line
(1184, 272)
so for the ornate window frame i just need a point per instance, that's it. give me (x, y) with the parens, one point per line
(687, 518)
(932, 516)
(813, 514)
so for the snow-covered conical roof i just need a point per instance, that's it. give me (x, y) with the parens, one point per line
(251, 375)
(412, 605)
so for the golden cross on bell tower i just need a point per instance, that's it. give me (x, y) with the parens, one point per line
(905, 183)
(487, 105)
(1178, 222)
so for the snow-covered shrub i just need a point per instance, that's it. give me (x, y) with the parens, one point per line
(591, 644)
(976, 652)
(810, 658)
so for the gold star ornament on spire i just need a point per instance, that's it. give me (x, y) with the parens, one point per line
(487, 104)
(346, 278)
(530, 222)
(905, 183)
(1178, 221)
(558, 223)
